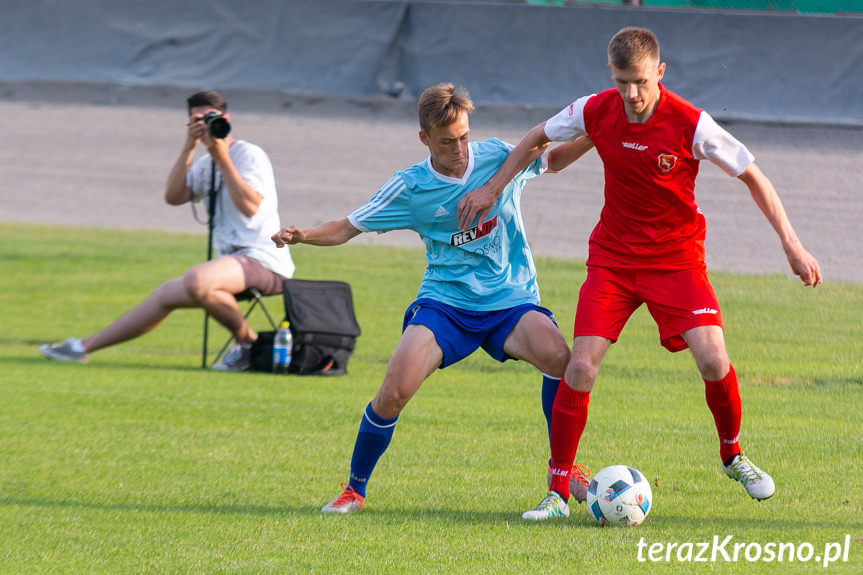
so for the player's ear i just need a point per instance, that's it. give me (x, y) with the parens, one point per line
(661, 70)
(424, 138)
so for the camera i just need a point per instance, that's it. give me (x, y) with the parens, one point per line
(218, 125)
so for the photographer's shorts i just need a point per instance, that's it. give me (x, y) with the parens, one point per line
(257, 276)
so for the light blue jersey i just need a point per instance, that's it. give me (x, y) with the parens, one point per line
(487, 267)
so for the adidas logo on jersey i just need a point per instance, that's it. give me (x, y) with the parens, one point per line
(441, 212)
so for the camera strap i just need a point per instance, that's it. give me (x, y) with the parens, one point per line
(211, 207)
(212, 195)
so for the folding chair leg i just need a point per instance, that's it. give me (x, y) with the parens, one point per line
(206, 338)
(266, 313)
(256, 300)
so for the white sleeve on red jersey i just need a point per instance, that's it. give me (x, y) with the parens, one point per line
(567, 124)
(712, 142)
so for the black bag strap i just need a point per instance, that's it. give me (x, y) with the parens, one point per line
(327, 339)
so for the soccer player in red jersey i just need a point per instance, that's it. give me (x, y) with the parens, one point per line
(648, 247)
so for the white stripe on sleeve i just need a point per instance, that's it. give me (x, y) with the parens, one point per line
(379, 201)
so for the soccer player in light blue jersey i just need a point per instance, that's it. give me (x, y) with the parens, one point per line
(479, 289)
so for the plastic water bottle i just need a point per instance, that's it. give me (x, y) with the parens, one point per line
(282, 345)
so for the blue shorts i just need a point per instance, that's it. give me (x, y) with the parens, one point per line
(459, 332)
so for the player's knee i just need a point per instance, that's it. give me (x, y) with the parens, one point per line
(714, 366)
(545, 348)
(581, 373)
(559, 359)
(390, 402)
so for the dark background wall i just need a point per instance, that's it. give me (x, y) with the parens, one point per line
(769, 67)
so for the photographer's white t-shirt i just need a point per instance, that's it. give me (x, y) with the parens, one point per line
(234, 232)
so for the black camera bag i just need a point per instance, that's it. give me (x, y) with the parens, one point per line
(262, 352)
(323, 326)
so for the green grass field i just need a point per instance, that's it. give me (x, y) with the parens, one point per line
(141, 462)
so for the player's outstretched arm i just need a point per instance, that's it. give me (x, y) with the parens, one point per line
(563, 155)
(477, 203)
(802, 262)
(331, 233)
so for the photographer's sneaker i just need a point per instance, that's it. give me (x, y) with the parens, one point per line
(551, 506)
(70, 350)
(578, 481)
(348, 502)
(238, 358)
(758, 484)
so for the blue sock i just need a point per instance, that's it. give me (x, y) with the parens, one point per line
(372, 440)
(549, 391)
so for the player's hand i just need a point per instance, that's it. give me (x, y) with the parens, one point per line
(290, 235)
(476, 206)
(803, 264)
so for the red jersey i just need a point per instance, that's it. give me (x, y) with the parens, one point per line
(650, 219)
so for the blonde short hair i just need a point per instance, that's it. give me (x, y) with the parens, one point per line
(441, 105)
(630, 46)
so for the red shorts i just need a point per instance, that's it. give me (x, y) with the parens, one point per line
(677, 300)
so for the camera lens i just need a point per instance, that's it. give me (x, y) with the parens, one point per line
(218, 125)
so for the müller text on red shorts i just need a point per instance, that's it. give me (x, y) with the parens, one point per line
(728, 550)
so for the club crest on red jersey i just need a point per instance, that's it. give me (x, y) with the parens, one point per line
(667, 162)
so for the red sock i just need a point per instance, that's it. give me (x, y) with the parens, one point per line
(568, 417)
(723, 399)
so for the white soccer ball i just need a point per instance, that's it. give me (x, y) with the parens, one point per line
(619, 495)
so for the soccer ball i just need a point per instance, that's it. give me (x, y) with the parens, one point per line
(619, 495)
